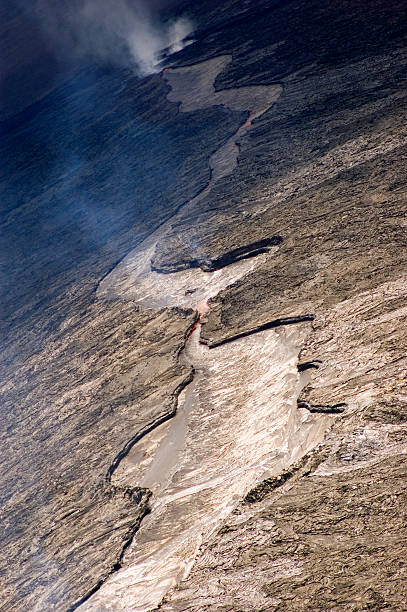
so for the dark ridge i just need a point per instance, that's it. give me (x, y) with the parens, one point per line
(138, 495)
(166, 417)
(260, 328)
(126, 449)
(307, 365)
(210, 265)
(243, 252)
(135, 494)
(261, 490)
(323, 408)
(304, 467)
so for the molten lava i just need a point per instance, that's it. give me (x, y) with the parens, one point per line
(201, 308)
(191, 331)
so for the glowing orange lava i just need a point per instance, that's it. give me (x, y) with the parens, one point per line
(246, 124)
(201, 308)
(198, 322)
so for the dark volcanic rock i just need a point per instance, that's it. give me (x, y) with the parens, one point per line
(93, 160)
(319, 546)
(61, 517)
(226, 259)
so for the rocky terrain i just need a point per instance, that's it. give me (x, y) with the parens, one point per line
(204, 298)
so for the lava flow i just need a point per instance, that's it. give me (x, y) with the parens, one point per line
(236, 423)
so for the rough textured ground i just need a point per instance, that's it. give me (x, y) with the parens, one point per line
(99, 161)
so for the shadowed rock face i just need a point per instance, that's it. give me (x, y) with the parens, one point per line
(95, 161)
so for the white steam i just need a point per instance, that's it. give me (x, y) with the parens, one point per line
(177, 33)
(147, 41)
(116, 31)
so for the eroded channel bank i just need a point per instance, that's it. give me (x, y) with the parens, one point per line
(237, 422)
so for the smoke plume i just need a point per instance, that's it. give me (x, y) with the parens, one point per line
(122, 32)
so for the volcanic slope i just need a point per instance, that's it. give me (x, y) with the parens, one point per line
(83, 182)
(224, 438)
(84, 377)
(324, 170)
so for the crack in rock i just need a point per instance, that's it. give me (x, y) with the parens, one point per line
(323, 408)
(309, 365)
(140, 497)
(258, 329)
